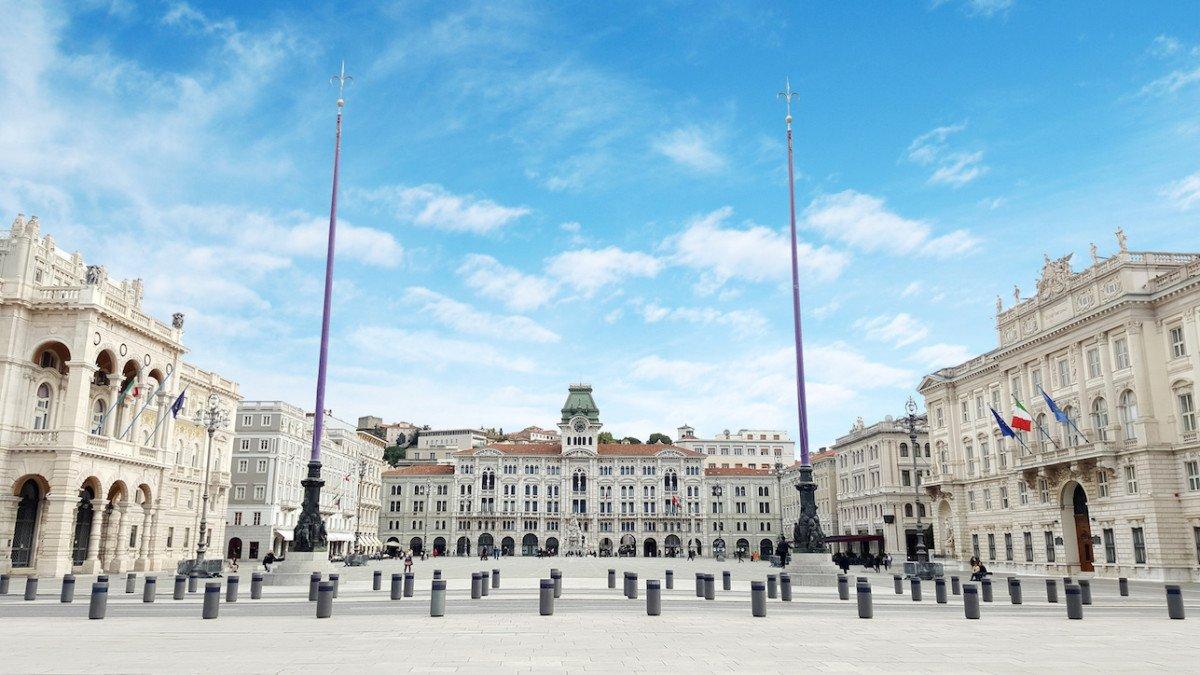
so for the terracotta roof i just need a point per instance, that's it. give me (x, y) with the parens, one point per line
(643, 449)
(605, 449)
(735, 471)
(824, 455)
(421, 470)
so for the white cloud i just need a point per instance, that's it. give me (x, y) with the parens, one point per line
(827, 309)
(741, 321)
(470, 320)
(952, 167)
(899, 330)
(863, 221)
(511, 287)
(1164, 45)
(589, 270)
(755, 253)
(941, 355)
(691, 147)
(1172, 82)
(959, 169)
(571, 226)
(912, 289)
(614, 316)
(390, 347)
(1185, 192)
(431, 205)
(926, 148)
(984, 8)
(840, 362)
(365, 244)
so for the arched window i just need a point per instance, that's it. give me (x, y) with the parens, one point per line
(1070, 435)
(41, 407)
(904, 449)
(48, 360)
(1100, 418)
(908, 511)
(1128, 412)
(98, 409)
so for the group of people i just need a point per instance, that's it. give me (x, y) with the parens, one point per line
(869, 560)
(978, 569)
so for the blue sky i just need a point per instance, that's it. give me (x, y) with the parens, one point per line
(535, 194)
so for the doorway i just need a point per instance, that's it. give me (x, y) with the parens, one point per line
(1077, 528)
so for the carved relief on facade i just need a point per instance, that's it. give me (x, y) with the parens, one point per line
(1056, 277)
(1110, 289)
(1031, 325)
(1085, 300)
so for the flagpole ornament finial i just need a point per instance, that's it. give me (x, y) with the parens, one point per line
(787, 95)
(341, 78)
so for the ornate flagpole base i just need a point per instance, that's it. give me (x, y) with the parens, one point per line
(310, 546)
(810, 564)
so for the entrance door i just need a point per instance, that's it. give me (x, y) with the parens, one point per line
(26, 525)
(1083, 530)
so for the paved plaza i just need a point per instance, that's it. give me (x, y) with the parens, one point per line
(593, 628)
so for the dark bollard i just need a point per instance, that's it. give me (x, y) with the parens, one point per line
(633, 586)
(314, 582)
(485, 583)
(653, 598)
(180, 587)
(495, 578)
(1074, 602)
(670, 580)
(231, 588)
(863, 591)
(970, 601)
(256, 582)
(102, 579)
(4, 581)
(149, 589)
(99, 602)
(1123, 587)
(915, 582)
(955, 586)
(377, 580)
(476, 582)
(626, 587)
(335, 580)
(546, 597)
(437, 574)
(556, 576)
(437, 597)
(68, 589)
(212, 599)
(986, 585)
(939, 590)
(130, 583)
(193, 576)
(397, 585)
(899, 586)
(699, 585)
(772, 587)
(612, 578)
(31, 584)
(1051, 591)
(785, 587)
(410, 579)
(1066, 582)
(843, 587)
(758, 598)
(710, 586)
(1085, 591)
(726, 581)
(325, 595)
(1174, 601)
(1014, 590)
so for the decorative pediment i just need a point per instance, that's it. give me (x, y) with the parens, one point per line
(1056, 276)
(488, 452)
(669, 454)
(580, 452)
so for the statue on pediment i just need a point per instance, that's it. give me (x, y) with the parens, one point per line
(1016, 294)
(999, 305)
(1056, 275)
(1095, 253)
(1122, 242)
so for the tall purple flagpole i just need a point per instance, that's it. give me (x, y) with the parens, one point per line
(310, 532)
(807, 535)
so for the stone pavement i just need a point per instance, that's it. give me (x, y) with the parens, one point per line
(593, 628)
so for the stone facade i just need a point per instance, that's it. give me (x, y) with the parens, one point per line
(633, 499)
(93, 482)
(1118, 491)
(748, 448)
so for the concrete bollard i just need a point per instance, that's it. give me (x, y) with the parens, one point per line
(1074, 602)
(986, 585)
(612, 578)
(180, 587)
(31, 584)
(939, 590)
(397, 589)
(726, 581)
(98, 606)
(626, 585)
(1085, 591)
(256, 582)
(758, 598)
(955, 585)
(785, 587)
(772, 587)
(1174, 601)
(843, 587)
(710, 587)
(410, 579)
(212, 599)
(546, 597)
(130, 583)
(231, 588)
(314, 582)
(336, 581)
(897, 584)
(193, 576)
(377, 580)
(4, 581)
(68, 589)
(1123, 587)
(865, 608)
(970, 601)
(633, 586)
(437, 597)
(1014, 590)
(915, 582)
(325, 595)
(485, 583)
(495, 578)
(670, 580)
(1051, 591)
(556, 576)
(699, 585)
(149, 588)
(653, 598)
(476, 582)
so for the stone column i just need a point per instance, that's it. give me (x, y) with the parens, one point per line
(114, 390)
(92, 564)
(1148, 432)
(155, 555)
(120, 530)
(75, 410)
(140, 563)
(54, 535)
(8, 523)
(1110, 390)
(1085, 407)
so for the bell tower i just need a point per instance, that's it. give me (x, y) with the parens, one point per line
(580, 424)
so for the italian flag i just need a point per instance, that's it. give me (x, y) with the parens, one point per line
(1021, 419)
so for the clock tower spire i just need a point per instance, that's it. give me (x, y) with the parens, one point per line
(580, 424)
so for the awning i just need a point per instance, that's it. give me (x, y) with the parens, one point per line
(286, 534)
(340, 536)
(392, 544)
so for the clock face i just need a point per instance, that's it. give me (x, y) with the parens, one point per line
(580, 424)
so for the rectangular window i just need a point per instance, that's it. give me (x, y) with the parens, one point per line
(1008, 546)
(133, 531)
(1049, 537)
(243, 465)
(1093, 362)
(1139, 545)
(1028, 536)
(1003, 497)
(1131, 484)
(260, 491)
(262, 466)
(1120, 353)
(991, 546)
(1193, 475)
(1022, 493)
(1102, 482)
(266, 420)
(1036, 375)
(1110, 546)
(975, 545)
(170, 537)
(987, 499)
(257, 520)
(247, 420)
(237, 518)
(1064, 372)
(254, 550)
(971, 500)
(966, 412)
(1043, 491)
(239, 492)
(1175, 337)
(1196, 537)
(1187, 412)
(906, 478)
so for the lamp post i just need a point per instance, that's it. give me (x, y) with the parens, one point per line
(362, 470)
(212, 417)
(911, 408)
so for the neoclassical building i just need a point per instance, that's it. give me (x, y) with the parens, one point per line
(580, 495)
(747, 448)
(95, 480)
(1117, 491)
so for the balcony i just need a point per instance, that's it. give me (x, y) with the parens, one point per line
(1052, 456)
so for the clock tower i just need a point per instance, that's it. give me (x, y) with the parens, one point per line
(580, 425)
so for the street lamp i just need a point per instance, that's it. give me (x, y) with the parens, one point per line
(211, 418)
(922, 550)
(362, 470)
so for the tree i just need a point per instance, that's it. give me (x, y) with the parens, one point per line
(393, 454)
(631, 439)
(659, 438)
(605, 437)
